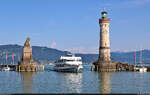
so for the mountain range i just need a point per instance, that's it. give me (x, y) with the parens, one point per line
(46, 55)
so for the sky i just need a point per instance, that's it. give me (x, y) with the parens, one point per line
(73, 25)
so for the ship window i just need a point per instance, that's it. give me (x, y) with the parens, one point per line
(64, 60)
(78, 60)
(73, 60)
(70, 60)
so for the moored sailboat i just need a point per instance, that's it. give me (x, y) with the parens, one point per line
(141, 68)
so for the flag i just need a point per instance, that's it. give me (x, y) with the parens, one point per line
(13, 56)
(135, 54)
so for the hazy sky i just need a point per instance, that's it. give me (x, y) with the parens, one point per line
(73, 24)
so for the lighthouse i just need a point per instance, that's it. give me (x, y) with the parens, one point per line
(104, 62)
(104, 49)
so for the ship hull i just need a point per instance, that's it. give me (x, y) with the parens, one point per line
(71, 68)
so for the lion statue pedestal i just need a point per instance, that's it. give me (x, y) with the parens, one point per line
(27, 63)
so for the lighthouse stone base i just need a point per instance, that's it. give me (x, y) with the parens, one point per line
(104, 66)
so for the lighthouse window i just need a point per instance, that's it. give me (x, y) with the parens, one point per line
(105, 25)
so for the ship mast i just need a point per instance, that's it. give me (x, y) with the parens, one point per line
(141, 56)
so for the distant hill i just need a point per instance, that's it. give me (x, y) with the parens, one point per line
(127, 57)
(40, 54)
(46, 55)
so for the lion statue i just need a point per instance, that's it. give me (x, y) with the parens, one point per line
(27, 43)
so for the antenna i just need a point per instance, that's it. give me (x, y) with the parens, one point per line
(104, 9)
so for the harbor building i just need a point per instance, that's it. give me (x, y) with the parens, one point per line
(27, 63)
(104, 62)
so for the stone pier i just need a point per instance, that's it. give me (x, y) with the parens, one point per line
(102, 66)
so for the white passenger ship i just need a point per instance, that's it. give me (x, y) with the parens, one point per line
(69, 63)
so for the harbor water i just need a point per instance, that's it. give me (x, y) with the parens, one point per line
(87, 81)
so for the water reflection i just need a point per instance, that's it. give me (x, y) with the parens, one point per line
(27, 79)
(104, 78)
(71, 82)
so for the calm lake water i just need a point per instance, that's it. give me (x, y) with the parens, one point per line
(86, 82)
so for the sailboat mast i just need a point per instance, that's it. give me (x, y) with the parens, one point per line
(6, 58)
(135, 58)
(141, 57)
(18, 57)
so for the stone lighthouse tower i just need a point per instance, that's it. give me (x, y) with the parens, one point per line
(104, 61)
(104, 49)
